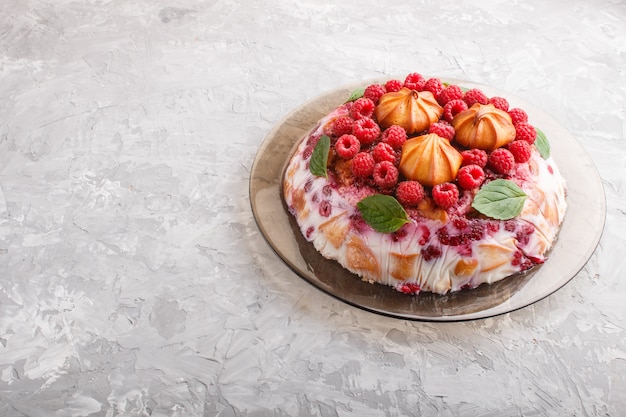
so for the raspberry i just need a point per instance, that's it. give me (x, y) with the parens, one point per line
(445, 195)
(366, 130)
(435, 86)
(395, 136)
(393, 85)
(470, 177)
(410, 193)
(443, 129)
(374, 92)
(409, 288)
(474, 157)
(518, 116)
(501, 161)
(526, 132)
(431, 252)
(342, 125)
(451, 92)
(521, 150)
(385, 174)
(347, 146)
(384, 152)
(363, 165)
(452, 108)
(325, 208)
(363, 107)
(474, 96)
(414, 81)
(499, 103)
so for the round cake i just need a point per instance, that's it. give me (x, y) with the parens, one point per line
(426, 186)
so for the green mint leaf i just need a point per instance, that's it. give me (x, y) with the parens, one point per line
(319, 157)
(542, 144)
(500, 199)
(383, 213)
(356, 94)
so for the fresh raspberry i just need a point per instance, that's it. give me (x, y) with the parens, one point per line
(395, 136)
(347, 146)
(415, 81)
(474, 157)
(374, 92)
(363, 165)
(501, 161)
(393, 85)
(410, 193)
(470, 176)
(521, 150)
(384, 152)
(443, 129)
(452, 108)
(366, 130)
(445, 195)
(385, 174)
(499, 103)
(362, 107)
(451, 92)
(409, 288)
(526, 132)
(518, 116)
(474, 96)
(342, 125)
(435, 86)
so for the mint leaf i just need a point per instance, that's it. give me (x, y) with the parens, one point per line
(383, 213)
(500, 199)
(356, 94)
(319, 157)
(542, 144)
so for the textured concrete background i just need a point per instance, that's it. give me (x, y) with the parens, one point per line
(133, 279)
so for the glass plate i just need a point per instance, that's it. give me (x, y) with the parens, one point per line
(576, 243)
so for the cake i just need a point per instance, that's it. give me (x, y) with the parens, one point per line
(426, 186)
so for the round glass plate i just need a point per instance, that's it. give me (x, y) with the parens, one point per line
(577, 240)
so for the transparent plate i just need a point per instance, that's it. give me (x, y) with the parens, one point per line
(579, 236)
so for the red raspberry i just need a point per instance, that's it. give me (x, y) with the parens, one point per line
(361, 108)
(435, 86)
(452, 108)
(518, 116)
(395, 136)
(342, 125)
(384, 152)
(474, 96)
(410, 193)
(445, 195)
(366, 130)
(347, 146)
(501, 161)
(385, 174)
(415, 81)
(363, 165)
(393, 85)
(499, 103)
(521, 150)
(325, 208)
(409, 288)
(374, 92)
(526, 132)
(443, 129)
(474, 157)
(451, 92)
(470, 177)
